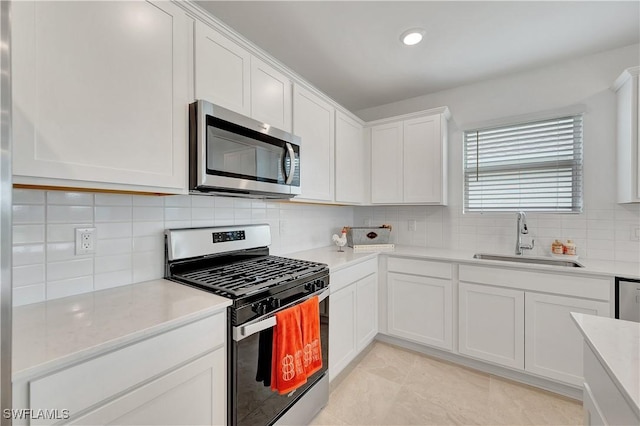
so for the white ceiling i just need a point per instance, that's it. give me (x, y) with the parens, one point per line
(351, 49)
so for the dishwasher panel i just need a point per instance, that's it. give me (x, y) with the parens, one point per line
(628, 299)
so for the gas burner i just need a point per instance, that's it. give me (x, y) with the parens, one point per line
(246, 277)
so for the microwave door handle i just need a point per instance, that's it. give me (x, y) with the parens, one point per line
(292, 168)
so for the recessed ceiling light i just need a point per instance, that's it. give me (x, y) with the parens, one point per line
(412, 36)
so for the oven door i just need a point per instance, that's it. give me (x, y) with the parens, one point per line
(250, 401)
(237, 153)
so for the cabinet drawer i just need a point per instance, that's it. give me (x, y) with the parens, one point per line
(571, 285)
(351, 274)
(81, 386)
(419, 267)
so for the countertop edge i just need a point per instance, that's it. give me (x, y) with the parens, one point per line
(614, 377)
(462, 257)
(114, 344)
(58, 333)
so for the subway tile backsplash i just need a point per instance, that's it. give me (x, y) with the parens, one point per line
(130, 242)
(600, 234)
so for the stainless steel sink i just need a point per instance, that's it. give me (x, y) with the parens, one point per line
(526, 259)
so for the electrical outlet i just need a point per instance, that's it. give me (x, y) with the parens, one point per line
(411, 224)
(85, 241)
(635, 233)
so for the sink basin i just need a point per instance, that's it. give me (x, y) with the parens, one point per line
(533, 260)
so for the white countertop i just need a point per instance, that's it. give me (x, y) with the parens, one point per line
(616, 344)
(332, 257)
(337, 260)
(58, 332)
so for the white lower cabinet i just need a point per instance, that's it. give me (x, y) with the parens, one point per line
(553, 345)
(342, 330)
(191, 395)
(419, 301)
(603, 403)
(366, 311)
(420, 309)
(492, 324)
(176, 377)
(353, 314)
(505, 318)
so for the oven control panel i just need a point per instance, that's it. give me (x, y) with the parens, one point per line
(273, 303)
(223, 237)
(315, 285)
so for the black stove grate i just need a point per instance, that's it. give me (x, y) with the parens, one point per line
(249, 276)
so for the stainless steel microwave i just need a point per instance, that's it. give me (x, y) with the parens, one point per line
(230, 154)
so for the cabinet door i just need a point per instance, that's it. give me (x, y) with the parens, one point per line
(628, 136)
(419, 309)
(99, 94)
(193, 394)
(492, 324)
(553, 342)
(386, 163)
(313, 121)
(270, 95)
(342, 329)
(423, 160)
(366, 310)
(222, 70)
(350, 159)
(592, 414)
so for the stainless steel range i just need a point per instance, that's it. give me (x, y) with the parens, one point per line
(234, 262)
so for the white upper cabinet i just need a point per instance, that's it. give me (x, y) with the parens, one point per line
(313, 121)
(228, 75)
(270, 95)
(425, 160)
(409, 159)
(100, 91)
(628, 151)
(350, 158)
(222, 70)
(386, 163)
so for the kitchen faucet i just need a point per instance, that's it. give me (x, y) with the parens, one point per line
(520, 230)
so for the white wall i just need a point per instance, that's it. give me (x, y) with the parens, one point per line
(602, 231)
(130, 246)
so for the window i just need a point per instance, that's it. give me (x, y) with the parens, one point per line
(535, 166)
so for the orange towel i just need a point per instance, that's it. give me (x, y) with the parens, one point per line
(310, 322)
(287, 371)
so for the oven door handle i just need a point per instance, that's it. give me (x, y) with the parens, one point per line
(243, 331)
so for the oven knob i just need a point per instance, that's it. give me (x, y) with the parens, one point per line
(259, 308)
(275, 303)
(310, 287)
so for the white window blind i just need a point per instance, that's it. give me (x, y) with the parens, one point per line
(535, 166)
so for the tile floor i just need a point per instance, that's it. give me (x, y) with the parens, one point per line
(393, 386)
